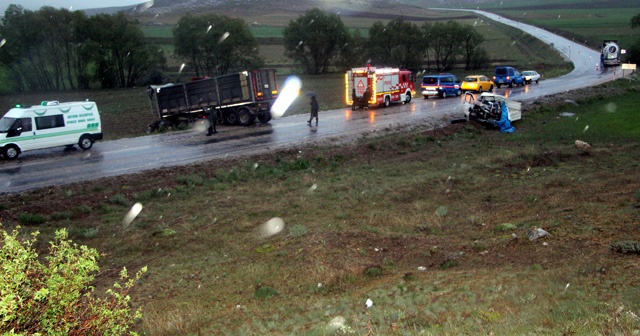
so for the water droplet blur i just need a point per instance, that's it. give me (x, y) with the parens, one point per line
(2, 42)
(181, 67)
(289, 93)
(271, 227)
(209, 28)
(586, 128)
(132, 214)
(335, 324)
(223, 37)
(143, 7)
(611, 107)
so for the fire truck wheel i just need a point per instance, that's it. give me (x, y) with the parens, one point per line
(408, 98)
(386, 101)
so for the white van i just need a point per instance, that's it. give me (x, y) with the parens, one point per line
(49, 124)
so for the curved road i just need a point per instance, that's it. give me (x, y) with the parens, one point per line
(44, 168)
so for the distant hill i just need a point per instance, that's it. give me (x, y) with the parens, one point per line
(169, 11)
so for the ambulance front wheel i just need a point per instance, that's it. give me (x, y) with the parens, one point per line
(11, 152)
(86, 141)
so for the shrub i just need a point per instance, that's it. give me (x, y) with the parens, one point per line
(118, 200)
(298, 230)
(265, 292)
(374, 271)
(26, 218)
(53, 296)
(505, 227)
(626, 247)
(191, 180)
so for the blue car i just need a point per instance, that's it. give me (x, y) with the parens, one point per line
(442, 85)
(505, 75)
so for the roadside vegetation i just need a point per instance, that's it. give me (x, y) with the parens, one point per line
(430, 225)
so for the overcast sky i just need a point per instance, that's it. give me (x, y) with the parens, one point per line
(68, 4)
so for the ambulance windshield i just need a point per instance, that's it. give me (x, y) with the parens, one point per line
(5, 124)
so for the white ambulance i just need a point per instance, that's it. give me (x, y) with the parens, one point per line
(49, 124)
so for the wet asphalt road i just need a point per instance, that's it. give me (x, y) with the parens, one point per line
(56, 166)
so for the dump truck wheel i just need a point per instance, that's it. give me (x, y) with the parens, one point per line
(232, 117)
(264, 117)
(245, 118)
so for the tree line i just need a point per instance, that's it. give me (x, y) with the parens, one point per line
(56, 49)
(319, 42)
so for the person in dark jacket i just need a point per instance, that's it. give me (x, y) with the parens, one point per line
(314, 110)
(211, 116)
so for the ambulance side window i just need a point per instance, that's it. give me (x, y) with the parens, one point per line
(26, 124)
(47, 122)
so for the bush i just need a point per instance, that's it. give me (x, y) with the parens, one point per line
(53, 295)
(626, 247)
(26, 218)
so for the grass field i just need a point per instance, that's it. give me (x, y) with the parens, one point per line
(429, 225)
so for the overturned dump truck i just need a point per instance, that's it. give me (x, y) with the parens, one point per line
(236, 99)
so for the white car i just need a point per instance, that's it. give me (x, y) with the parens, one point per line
(530, 76)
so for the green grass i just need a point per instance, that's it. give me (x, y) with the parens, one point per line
(427, 234)
(590, 24)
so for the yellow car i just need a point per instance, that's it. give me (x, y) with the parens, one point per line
(477, 83)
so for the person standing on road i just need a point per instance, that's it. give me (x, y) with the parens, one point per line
(211, 116)
(314, 110)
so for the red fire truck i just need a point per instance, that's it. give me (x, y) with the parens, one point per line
(378, 86)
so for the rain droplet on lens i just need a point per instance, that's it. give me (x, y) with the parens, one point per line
(223, 37)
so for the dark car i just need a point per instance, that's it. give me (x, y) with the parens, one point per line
(441, 85)
(505, 75)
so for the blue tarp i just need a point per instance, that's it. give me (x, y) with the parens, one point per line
(504, 124)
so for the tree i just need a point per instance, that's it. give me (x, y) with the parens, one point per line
(471, 41)
(396, 44)
(353, 52)
(215, 45)
(54, 297)
(55, 49)
(446, 43)
(633, 53)
(314, 40)
(118, 50)
(635, 21)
